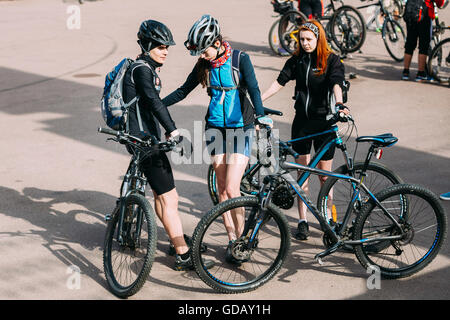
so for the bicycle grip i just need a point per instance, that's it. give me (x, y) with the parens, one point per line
(108, 131)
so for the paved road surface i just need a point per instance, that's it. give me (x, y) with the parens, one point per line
(59, 177)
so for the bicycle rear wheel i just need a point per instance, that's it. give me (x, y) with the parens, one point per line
(289, 23)
(439, 62)
(127, 263)
(424, 229)
(240, 267)
(348, 29)
(274, 40)
(394, 39)
(249, 183)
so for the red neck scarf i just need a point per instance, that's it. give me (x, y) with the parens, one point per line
(220, 61)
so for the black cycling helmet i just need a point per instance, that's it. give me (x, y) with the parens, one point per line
(152, 33)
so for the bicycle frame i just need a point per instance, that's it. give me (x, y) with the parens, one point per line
(332, 141)
(333, 234)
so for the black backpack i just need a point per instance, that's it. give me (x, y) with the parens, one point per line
(415, 10)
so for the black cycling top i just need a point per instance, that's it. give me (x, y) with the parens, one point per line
(311, 90)
(152, 110)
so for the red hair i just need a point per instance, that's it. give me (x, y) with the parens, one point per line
(323, 49)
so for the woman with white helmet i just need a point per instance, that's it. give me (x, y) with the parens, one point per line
(231, 118)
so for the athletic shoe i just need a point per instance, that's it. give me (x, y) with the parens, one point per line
(445, 196)
(421, 77)
(405, 75)
(188, 264)
(172, 252)
(302, 231)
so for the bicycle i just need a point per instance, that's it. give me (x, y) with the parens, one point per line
(393, 220)
(130, 238)
(345, 29)
(392, 33)
(333, 195)
(397, 7)
(438, 64)
(280, 7)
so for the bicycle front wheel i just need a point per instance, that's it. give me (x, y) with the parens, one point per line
(394, 39)
(439, 62)
(288, 29)
(127, 260)
(254, 258)
(423, 231)
(348, 29)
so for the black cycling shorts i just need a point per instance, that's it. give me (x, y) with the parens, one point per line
(421, 31)
(312, 9)
(304, 127)
(158, 171)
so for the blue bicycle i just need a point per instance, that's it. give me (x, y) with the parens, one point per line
(334, 195)
(398, 230)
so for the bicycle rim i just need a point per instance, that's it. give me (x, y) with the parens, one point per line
(394, 39)
(289, 23)
(424, 229)
(128, 263)
(348, 29)
(439, 62)
(238, 267)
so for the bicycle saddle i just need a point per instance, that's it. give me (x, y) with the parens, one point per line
(381, 140)
(268, 111)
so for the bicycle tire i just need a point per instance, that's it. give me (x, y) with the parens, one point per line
(378, 177)
(437, 66)
(394, 37)
(403, 257)
(212, 186)
(353, 40)
(269, 253)
(274, 40)
(247, 187)
(141, 266)
(289, 22)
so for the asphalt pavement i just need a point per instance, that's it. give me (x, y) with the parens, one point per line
(59, 177)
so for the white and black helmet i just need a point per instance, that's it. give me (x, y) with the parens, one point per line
(202, 35)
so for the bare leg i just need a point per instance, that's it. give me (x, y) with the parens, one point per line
(166, 206)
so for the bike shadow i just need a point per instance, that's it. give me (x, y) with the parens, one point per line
(61, 229)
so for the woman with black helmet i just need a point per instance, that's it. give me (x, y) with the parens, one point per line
(230, 119)
(141, 80)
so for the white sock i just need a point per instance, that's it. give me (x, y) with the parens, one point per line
(301, 220)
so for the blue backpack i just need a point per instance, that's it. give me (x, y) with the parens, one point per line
(114, 109)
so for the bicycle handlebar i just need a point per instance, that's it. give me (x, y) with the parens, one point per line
(152, 142)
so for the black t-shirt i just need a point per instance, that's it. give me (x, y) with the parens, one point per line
(312, 90)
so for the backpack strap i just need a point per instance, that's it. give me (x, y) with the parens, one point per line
(139, 63)
(235, 60)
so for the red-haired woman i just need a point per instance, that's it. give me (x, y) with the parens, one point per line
(317, 72)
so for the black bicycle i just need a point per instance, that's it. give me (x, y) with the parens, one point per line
(130, 239)
(438, 64)
(394, 37)
(344, 27)
(399, 230)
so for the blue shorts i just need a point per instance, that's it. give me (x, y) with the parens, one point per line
(221, 140)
